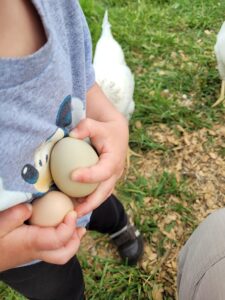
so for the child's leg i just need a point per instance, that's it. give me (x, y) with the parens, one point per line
(44, 281)
(110, 217)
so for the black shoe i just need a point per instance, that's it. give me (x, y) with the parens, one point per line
(130, 244)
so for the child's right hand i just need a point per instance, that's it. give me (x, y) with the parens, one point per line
(20, 243)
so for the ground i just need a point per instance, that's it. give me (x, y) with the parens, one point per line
(179, 177)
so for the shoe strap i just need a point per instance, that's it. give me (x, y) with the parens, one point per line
(126, 234)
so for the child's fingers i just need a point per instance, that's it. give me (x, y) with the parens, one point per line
(88, 128)
(50, 238)
(63, 255)
(102, 171)
(81, 232)
(97, 197)
(66, 229)
(14, 217)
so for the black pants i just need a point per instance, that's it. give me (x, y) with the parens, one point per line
(44, 281)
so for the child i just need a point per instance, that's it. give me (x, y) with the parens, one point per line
(47, 88)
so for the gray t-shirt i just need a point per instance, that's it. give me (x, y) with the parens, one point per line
(42, 96)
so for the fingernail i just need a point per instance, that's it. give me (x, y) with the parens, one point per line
(83, 231)
(29, 206)
(74, 176)
(73, 133)
(80, 214)
(72, 214)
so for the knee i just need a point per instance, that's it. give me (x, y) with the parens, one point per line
(210, 233)
(202, 250)
(211, 285)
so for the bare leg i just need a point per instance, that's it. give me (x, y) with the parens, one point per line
(222, 94)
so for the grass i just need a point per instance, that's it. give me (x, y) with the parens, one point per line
(169, 47)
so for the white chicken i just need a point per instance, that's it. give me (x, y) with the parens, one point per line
(220, 56)
(111, 71)
(113, 75)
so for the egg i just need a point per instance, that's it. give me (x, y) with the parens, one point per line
(50, 209)
(68, 155)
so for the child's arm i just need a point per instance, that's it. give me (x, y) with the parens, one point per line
(108, 131)
(20, 243)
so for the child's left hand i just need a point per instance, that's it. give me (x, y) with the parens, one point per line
(110, 139)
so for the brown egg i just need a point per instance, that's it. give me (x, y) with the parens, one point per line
(68, 155)
(50, 209)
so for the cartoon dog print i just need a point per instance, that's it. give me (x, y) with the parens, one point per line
(71, 111)
(39, 175)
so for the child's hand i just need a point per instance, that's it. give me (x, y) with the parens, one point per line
(55, 245)
(111, 141)
(20, 243)
(13, 217)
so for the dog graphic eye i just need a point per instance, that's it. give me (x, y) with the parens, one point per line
(40, 163)
(30, 174)
(46, 158)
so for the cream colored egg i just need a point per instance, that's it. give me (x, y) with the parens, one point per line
(50, 209)
(68, 155)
